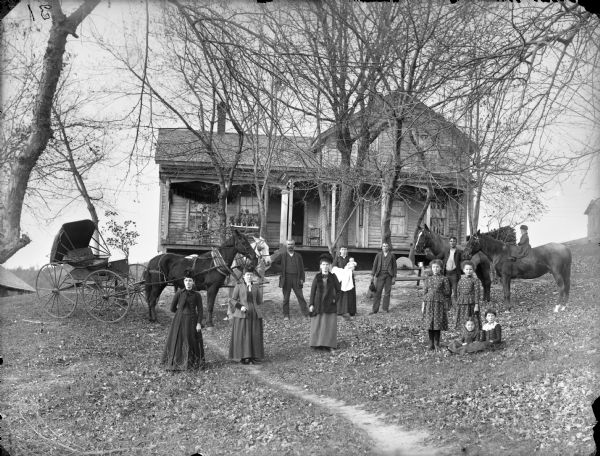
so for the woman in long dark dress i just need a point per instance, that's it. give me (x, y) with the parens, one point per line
(247, 329)
(347, 299)
(436, 296)
(185, 348)
(323, 308)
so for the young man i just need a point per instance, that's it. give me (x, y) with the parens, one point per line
(292, 278)
(383, 274)
(523, 248)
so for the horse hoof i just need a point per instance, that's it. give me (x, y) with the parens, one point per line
(556, 308)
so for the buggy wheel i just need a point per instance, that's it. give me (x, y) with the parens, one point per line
(136, 284)
(106, 296)
(56, 290)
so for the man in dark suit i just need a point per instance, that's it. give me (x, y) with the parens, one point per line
(383, 274)
(292, 278)
(452, 260)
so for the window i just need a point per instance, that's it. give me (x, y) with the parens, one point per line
(248, 212)
(437, 220)
(398, 220)
(198, 219)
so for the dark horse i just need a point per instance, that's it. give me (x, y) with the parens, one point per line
(169, 268)
(439, 244)
(553, 258)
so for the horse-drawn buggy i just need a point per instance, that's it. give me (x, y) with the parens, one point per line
(80, 270)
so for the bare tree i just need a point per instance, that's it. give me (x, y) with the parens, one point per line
(15, 174)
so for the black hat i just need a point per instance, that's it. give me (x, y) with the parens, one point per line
(188, 273)
(325, 257)
(524, 227)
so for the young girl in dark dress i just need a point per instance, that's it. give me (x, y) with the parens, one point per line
(470, 335)
(247, 329)
(185, 348)
(468, 297)
(434, 312)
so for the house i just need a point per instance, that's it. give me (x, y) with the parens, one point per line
(189, 187)
(593, 222)
(10, 284)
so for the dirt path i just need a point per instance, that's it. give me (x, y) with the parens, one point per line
(389, 440)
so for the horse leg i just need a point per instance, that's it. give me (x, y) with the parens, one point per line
(561, 291)
(506, 289)
(211, 294)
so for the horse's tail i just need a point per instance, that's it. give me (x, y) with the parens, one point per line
(149, 275)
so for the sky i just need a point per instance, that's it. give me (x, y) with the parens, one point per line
(136, 198)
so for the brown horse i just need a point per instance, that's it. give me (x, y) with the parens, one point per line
(169, 268)
(553, 258)
(427, 239)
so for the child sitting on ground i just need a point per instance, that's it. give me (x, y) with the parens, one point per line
(491, 331)
(470, 334)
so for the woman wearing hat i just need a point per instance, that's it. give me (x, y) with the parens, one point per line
(522, 248)
(246, 342)
(323, 306)
(185, 348)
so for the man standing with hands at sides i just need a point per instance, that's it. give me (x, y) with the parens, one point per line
(383, 275)
(291, 278)
(452, 260)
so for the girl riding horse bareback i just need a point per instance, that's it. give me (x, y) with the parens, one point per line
(553, 258)
(427, 239)
(208, 271)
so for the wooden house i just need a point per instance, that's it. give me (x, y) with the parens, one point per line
(188, 186)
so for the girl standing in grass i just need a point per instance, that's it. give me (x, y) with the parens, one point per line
(185, 348)
(247, 330)
(323, 308)
(468, 297)
(434, 312)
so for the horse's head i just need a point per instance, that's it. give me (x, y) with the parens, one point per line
(423, 239)
(261, 248)
(473, 246)
(242, 245)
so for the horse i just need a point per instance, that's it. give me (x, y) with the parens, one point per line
(170, 268)
(553, 258)
(439, 244)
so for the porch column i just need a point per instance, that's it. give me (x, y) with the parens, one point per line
(333, 214)
(283, 217)
(290, 208)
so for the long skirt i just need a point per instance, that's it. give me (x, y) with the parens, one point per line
(323, 330)
(185, 347)
(247, 338)
(347, 302)
(466, 312)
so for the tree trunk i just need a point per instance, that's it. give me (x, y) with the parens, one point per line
(223, 193)
(344, 212)
(16, 175)
(324, 198)
(390, 183)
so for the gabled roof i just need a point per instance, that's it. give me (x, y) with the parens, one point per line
(421, 115)
(180, 145)
(11, 281)
(590, 208)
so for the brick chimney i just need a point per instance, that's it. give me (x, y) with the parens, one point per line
(221, 117)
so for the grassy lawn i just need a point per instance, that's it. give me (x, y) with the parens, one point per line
(77, 386)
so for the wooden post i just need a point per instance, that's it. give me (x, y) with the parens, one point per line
(290, 209)
(333, 202)
(283, 219)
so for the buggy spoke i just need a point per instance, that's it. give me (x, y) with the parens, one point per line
(56, 290)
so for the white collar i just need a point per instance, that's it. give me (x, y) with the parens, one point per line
(489, 326)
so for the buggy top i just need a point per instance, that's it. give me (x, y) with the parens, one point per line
(72, 244)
